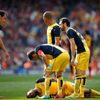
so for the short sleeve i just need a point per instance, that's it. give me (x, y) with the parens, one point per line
(56, 31)
(70, 33)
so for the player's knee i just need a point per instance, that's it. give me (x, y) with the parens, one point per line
(59, 74)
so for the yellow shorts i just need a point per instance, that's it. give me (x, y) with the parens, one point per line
(60, 63)
(83, 60)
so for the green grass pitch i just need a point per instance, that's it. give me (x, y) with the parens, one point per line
(13, 87)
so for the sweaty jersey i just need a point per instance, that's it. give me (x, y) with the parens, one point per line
(50, 50)
(80, 43)
(68, 87)
(52, 32)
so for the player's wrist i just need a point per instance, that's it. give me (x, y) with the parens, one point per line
(49, 65)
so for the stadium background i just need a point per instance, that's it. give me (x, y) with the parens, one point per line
(26, 29)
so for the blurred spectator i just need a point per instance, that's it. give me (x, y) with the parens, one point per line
(26, 28)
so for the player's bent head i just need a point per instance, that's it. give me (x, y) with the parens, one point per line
(65, 20)
(3, 13)
(30, 54)
(32, 93)
(48, 15)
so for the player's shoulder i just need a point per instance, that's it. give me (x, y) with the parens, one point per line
(71, 30)
(56, 27)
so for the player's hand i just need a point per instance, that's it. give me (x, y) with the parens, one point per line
(74, 63)
(7, 55)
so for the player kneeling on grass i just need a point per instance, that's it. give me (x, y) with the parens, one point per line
(67, 89)
(56, 59)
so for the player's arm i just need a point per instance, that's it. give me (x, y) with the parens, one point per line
(57, 41)
(70, 35)
(43, 57)
(72, 50)
(2, 46)
(56, 32)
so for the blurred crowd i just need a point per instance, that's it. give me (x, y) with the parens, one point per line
(25, 28)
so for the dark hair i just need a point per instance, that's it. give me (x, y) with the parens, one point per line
(48, 15)
(65, 20)
(87, 32)
(3, 13)
(30, 53)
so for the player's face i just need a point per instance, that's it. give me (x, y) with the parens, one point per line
(46, 21)
(3, 20)
(35, 57)
(62, 26)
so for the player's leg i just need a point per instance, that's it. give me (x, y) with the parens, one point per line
(79, 83)
(71, 72)
(59, 82)
(90, 93)
(61, 63)
(80, 79)
(48, 78)
(90, 69)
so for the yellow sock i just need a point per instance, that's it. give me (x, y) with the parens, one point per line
(60, 83)
(82, 86)
(47, 86)
(77, 86)
(95, 93)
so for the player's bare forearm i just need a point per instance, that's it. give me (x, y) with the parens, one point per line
(72, 52)
(45, 61)
(2, 46)
(57, 41)
(43, 57)
(72, 48)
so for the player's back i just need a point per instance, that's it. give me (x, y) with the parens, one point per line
(81, 45)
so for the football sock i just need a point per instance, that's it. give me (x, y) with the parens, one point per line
(60, 83)
(47, 86)
(79, 85)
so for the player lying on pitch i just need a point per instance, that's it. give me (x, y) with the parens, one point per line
(67, 89)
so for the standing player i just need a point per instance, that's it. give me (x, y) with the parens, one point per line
(81, 60)
(89, 40)
(53, 30)
(3, 21)
(3, 17)
(59, 60)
